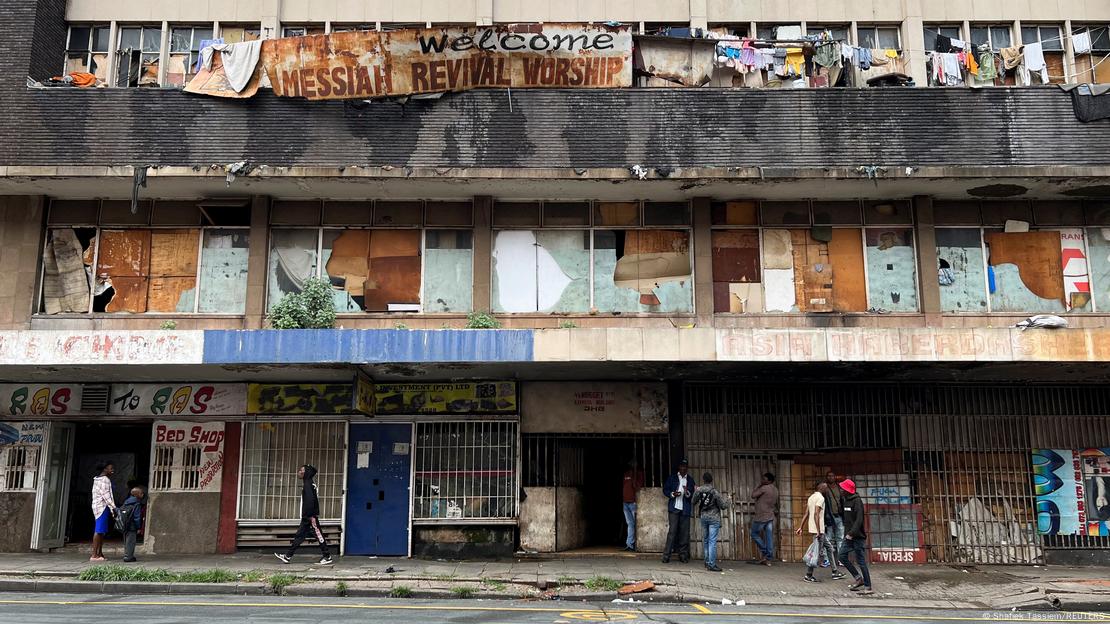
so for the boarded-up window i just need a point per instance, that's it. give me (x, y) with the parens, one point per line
(891, 269)
(223, 271)
(373, 270)
(960, 270)
(1025, 272)
(642, 271)
(1098, 241)
(736, 271)
(67, 269)
(541, 271)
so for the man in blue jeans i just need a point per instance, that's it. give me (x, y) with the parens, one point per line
(679, 492)
(766, 498)
(709, 503)
(855, 538)
(633, 481)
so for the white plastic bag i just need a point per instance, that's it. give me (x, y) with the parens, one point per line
(812, 558)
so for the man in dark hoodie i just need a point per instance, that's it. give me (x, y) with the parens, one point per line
(310, 519)
(855, 538)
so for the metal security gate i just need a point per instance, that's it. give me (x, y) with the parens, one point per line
(269, 490)
(947, 470)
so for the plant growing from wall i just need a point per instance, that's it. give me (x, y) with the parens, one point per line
(312, 308)
(567, 325)
(168, 325)
(481, 320)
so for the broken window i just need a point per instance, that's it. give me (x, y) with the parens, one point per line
(1025, 271)
(293, 259)
(891, 269)
(185, 46)
(373, 270)
(736, 271)
(643, 271)
(239, 34)
(120, 268)
(138, 54)
(961, 271)
(541, 271)
(1089, 65)
(1098, 242)
(87, 50)
(301, 31)
(448, 271)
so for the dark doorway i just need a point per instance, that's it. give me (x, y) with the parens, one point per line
(587, 472)
(127, 446)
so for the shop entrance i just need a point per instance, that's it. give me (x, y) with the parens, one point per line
(584, 475)
(127, 447)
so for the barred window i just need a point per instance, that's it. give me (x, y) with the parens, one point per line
(177, 468)
(273, 451)
(19, 467)
(466, 470)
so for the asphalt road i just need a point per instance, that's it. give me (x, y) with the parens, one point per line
(71, 609)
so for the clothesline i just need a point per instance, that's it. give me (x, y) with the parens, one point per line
(1093, 31)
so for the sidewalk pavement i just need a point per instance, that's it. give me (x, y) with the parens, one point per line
(580, 578)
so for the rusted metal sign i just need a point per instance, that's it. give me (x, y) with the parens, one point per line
(369, 64)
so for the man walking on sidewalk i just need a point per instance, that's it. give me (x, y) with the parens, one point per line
(103, 507)
(766, 498)
(833, 497)
(816, 520)
(679, 492)
(633, 482)
(310, 519)
(855, 538)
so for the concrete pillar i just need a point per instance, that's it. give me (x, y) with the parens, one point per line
(483, 252)
(21, 237)
(483, 12)
(699, 14)
(256, 262)
(913, 42)
(703, 261)
(926, 235)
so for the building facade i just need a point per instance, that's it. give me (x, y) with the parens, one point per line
(699, 263)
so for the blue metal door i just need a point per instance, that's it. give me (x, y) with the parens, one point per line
(379, 458)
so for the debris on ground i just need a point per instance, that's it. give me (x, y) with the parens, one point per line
(635, 588)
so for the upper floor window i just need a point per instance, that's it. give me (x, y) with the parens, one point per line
(578, 256)
(238, 34)
(1091, 43)
(185, 46)
(170, 257)
(384, 256)
(337, 28)
(87, 50)
(302, 31)
(138, 54)
(880, 37)
(813, 256)
(935, 33)
(837, 32)
(1048, 36)
(993, 37)
(770, 32)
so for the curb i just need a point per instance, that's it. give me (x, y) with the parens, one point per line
(50, 586)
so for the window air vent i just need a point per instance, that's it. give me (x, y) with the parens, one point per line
(94, 399)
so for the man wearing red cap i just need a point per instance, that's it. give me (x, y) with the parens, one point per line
(855, 538)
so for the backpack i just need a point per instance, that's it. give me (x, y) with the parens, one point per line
(125, 518)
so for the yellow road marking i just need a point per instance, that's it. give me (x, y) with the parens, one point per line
(599, 616)
(701, 608)
(1024, 617)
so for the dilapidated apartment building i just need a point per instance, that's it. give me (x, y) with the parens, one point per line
(784, 236)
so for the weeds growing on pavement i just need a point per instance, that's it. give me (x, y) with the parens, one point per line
(602, 583)
(444, 577)
(341, 589)
(279, 582)
(494, 584)
(207, 576)
(567, 580)
(463, 592)
(400, 591)
(253, 576)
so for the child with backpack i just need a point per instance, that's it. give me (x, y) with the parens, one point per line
(709, 503)
(129, 519)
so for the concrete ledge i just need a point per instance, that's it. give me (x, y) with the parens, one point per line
(57, 586)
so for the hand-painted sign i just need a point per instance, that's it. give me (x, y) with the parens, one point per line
(23, 433)
(39, 399)
(369, 64)
(299, 398)
(447, 398)
(594, 407)
(1057, 484)
(201, 473)
(178, 399)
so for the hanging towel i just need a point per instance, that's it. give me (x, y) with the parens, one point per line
(795, 62)
(891, 53)
(959, 44)
(827, 55)
(1081, 42)
(240, 61)
(953, 75)
(878, 57)
(864, 58)
(942, 44)
(1034, 60)
(972, 64)
(987, 69)
(846, 52)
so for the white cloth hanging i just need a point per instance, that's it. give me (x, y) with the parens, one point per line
(1034, 61)
(1081, 42)
(240, 60)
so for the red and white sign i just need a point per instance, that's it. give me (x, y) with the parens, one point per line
(208, 437)
(177, 399)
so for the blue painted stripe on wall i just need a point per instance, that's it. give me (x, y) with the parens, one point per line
(365, 346)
